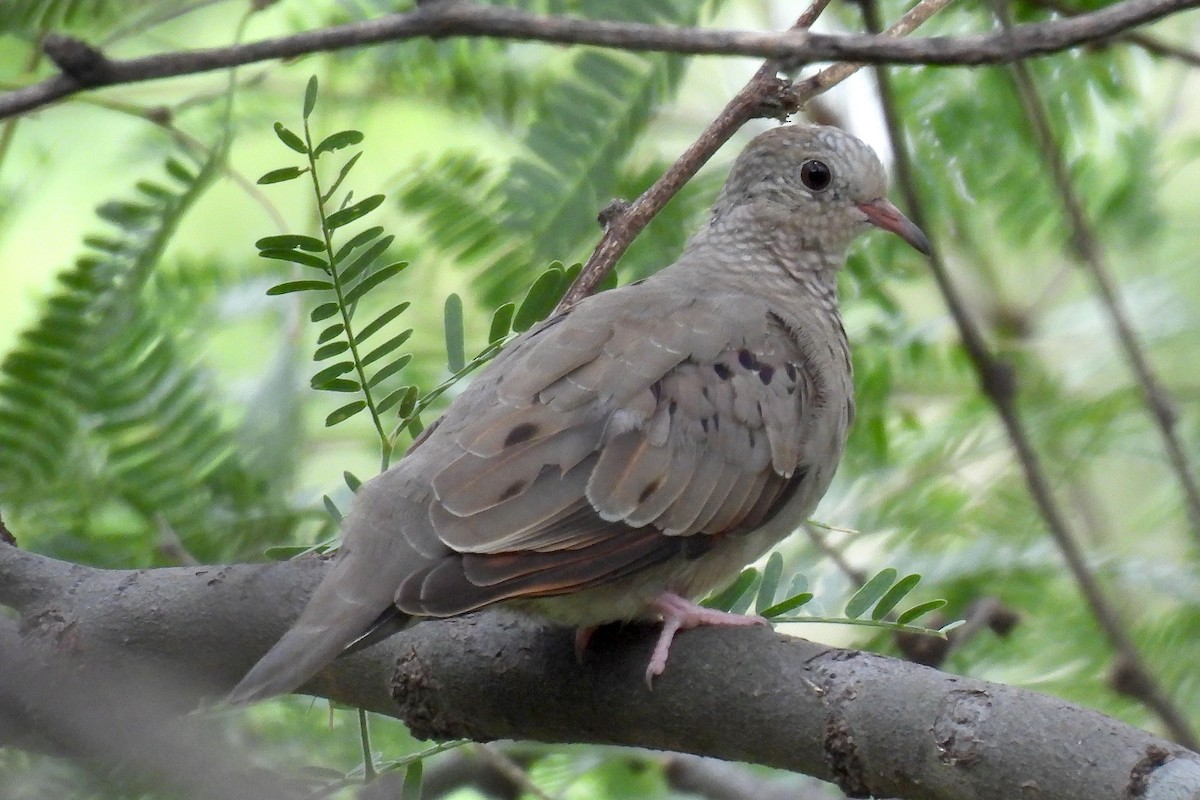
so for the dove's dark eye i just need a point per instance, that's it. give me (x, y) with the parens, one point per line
(816, 175)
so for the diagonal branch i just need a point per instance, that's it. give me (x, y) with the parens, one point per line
(1090, 255)
(997, 381)
(84, 67)
(764, 95)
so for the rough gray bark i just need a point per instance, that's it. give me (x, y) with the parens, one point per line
(869, 723)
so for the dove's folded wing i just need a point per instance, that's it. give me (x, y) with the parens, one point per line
(617, 440)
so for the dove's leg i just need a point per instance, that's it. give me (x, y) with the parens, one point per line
(679, 614)
(583, 635)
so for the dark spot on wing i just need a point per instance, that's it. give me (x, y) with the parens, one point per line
(521, 432)
(790, 369)
(722, 371)
(650, 489)
(512, 491)
(765, 373)
(747, 359)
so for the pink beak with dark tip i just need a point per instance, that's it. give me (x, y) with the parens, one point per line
(882, 214)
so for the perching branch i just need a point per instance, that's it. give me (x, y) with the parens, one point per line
(869, 723)
(84, 67)
(997, 381)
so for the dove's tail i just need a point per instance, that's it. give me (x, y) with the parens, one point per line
(351, 608)
(334, 619)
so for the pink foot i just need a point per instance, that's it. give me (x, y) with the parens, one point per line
(679, 614)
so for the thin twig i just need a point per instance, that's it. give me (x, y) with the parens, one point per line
(84, 67)
(997, 381)
(1151, 44)
(623, 222)
(1090, 255)
(856, 576)
(510, 769)
(831, 76)
(765, 95)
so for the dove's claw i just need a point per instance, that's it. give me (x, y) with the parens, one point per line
(679, 614)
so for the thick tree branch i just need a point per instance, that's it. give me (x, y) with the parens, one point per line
(869, 723)
(120, 726)
(83, 67)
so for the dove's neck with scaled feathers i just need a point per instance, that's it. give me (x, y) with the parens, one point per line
(762, 249)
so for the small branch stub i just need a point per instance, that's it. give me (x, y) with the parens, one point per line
(76, 58)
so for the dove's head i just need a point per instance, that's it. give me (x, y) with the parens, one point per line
(812, 188)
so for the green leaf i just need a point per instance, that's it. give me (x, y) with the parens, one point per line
(894, 596)
(281, 175)
(286, 552)
(383, 319)
(299, 286)
(296, 257)
(540, 300)
(331, 332)
(341, 385)
(743, 603)
(310, 96)
(784, 606)
(725, 599)
(456, 356)
(324, 311)
(357, 240)
(396, 396)
(125, 214)
(290, 139)
(330, 350)
(347, 215)
(407, 404)
(155, 191)
(374, 279)
(386, 347)
(919, 611)
(772, 572)
(871, 591)
(337, 141)
(365, 259)
(345, 412)
(349, 165)
(329, 373)
(501, 322)
(352, 481)
(389, 370)
(413, 776)
(332, 508)
(290, 241)
(179, 172)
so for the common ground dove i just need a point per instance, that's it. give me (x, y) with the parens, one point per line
(636, 450)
